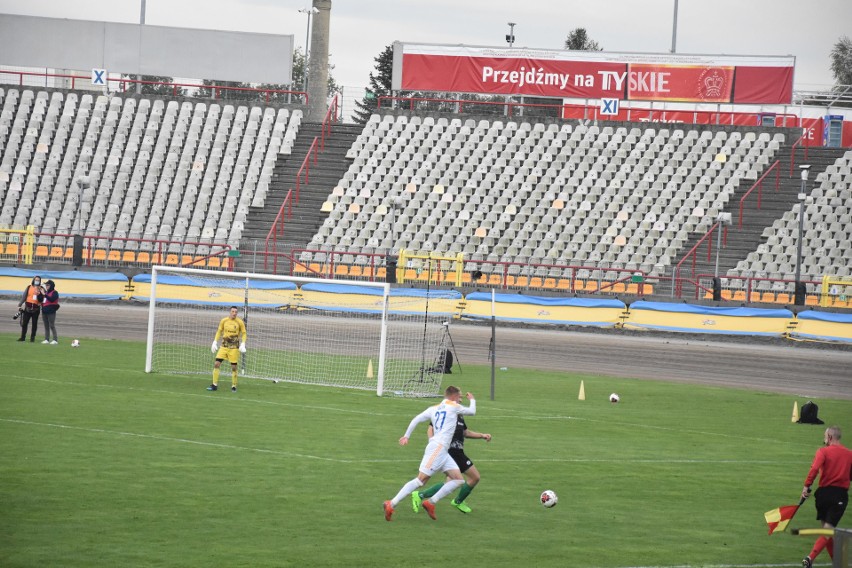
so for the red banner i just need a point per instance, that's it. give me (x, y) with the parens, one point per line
(594, 75)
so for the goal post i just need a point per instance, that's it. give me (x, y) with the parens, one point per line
(306, 330)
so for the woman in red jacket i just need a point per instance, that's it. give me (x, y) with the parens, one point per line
(48, 310)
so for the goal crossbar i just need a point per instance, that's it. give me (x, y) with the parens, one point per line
(308, 330)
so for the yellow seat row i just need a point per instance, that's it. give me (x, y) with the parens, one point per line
(775, 298)
(43, 253)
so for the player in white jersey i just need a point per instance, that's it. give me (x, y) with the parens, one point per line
(436, 457)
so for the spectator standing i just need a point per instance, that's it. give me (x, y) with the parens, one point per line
(30, 305)
(48, 310)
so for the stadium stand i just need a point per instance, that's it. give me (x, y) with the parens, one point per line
(825, 246)
(617, 196)
(562, 205)
(159, 170)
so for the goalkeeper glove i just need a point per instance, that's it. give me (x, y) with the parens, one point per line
(243, 347)
(214, 348)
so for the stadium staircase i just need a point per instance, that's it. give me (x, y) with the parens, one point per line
(740, 242)
(324, 175)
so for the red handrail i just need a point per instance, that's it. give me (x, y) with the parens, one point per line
(274, 231)
(799, 142)
(692, 253)
(330, 117)
(759, 185)
(293, 195)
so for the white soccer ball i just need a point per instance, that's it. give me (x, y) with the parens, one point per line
(549, 499)
(75, 343)
(614, 397)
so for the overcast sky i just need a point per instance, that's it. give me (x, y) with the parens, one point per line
(360, 29)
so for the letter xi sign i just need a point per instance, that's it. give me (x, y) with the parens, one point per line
(609, 106)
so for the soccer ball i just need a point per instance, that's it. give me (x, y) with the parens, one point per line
(614, 398)
(549, 499)
(75, 343)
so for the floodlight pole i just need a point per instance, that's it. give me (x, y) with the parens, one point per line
(510, 39)
(310, 13)
(799, 288)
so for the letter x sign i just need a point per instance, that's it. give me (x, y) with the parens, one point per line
(609, 106)
(99, 77)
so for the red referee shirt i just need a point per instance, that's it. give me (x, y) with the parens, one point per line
(834, 464)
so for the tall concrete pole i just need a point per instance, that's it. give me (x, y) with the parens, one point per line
(318, 67)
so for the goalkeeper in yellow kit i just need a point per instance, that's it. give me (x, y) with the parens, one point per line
(232, 332)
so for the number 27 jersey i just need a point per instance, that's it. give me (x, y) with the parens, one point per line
(444, 417)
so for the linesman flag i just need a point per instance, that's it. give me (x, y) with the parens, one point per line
(779, 518)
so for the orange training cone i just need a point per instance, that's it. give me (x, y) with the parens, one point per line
(582, 392)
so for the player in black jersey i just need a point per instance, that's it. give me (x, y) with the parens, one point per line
(466, 466)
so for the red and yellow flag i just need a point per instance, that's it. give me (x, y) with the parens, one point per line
(779, 518)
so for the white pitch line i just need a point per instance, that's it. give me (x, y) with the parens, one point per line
(368, 460)
(168, 439)
(723, 566)
(372, 413)
(207, 396)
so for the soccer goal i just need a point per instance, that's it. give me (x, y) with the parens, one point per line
(305, 330)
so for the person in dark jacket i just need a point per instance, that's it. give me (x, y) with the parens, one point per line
(30, 306)
(48, 310)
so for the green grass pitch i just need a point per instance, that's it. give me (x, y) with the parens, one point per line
(104, 465)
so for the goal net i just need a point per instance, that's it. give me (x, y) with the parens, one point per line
(305, 330)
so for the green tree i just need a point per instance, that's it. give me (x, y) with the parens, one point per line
(380, 85)
(298, 83)
(578, 40)
(841, 61)
(208, 91)
(154, 85)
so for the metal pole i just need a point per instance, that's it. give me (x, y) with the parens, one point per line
(493, 342)
(309, 12)
(798, 292)
(718, 246)
(141, 23)
(801, 230)
(511, 39)
(674, 28)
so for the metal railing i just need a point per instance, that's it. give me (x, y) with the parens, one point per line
(285, 212)
(108, 250)
(177, 88)
(758, 184)
(692, 254)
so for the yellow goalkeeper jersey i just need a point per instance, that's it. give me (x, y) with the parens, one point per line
(230, 331)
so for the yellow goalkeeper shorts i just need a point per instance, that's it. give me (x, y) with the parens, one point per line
(232, 354)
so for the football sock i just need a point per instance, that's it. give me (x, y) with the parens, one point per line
(406, 490)
(829, 546)
(234, 378)
(448, 488)
(464, 492)
(818, 546)
(215, 376)
(431, 491)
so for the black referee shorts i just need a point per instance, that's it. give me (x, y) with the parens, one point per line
(831, 504)
(461, 459)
